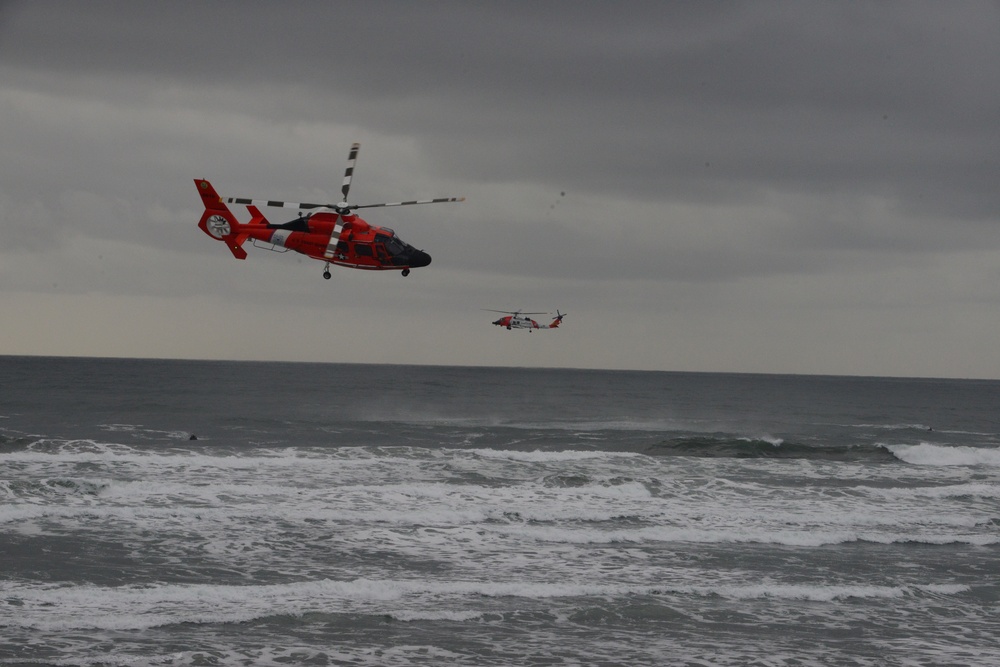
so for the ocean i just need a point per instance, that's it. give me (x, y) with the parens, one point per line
(239, 513)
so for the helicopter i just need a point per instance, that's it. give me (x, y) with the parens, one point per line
(518, 320)
(331, 233)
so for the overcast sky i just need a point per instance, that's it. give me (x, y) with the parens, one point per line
(787, 187)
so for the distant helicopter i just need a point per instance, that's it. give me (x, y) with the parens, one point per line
(332, 233)
(518, 320)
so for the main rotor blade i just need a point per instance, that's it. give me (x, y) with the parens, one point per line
(272, 203)
(352, 159)
(409, 203)
(243, 201)
(511, 312)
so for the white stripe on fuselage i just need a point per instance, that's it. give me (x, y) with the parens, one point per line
(279, 237)
(331, 247)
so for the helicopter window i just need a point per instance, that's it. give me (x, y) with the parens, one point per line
(392, 244)
(362, 250)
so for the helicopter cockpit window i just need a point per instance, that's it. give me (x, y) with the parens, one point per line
(392, 244)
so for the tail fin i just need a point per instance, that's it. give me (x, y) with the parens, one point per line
(556, 322)
(219, 222)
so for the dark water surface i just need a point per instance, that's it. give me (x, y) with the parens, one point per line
(407, 515)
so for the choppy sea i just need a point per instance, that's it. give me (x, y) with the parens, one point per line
(236, 513)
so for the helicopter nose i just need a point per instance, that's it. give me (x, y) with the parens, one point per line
(419, 258)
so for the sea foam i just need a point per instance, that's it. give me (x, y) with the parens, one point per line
(927, 454)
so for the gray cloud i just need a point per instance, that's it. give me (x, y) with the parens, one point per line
(680, 176)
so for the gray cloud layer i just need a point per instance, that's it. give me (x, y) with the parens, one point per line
(777, 187)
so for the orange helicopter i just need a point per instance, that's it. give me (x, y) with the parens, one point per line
(331, 233)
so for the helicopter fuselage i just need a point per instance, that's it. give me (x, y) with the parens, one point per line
(359, 246)
(515, 322)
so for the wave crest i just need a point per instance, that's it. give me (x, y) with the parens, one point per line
(926, 454)
(726, 446)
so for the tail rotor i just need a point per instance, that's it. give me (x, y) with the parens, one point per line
(219, 222)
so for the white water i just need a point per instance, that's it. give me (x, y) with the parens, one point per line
(489, 540)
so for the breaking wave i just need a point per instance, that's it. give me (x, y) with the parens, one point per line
(926, 454)
(725, 446)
